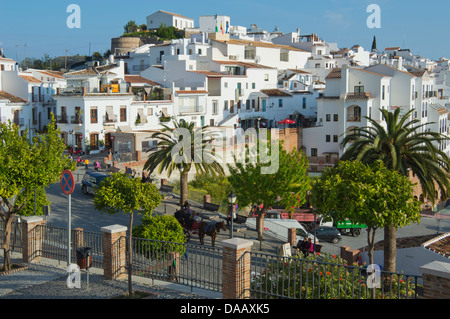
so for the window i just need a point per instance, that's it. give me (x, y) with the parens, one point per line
(266, 77)
(225, 105)
(304, 102)
(359, 89)
(225, 84)
(336, 117)
(335, 138)
(214, 107)
(253, 104)
(247, 104)
(94, 119)
(253, 86)
(199, 51)
(314, 152)
(190, 51)
(150, 111)
(383, 93)
(328, 117)
(280, 102)
(328, 138)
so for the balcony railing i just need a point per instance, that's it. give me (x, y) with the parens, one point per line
(62, 119)
(74, 119)
(110, 119)
(141, 67)
(354, 118)
(191, 109)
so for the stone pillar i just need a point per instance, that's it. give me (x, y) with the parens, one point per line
(236, 268)
(436, 280)
(32, 236)
(292, 236)
(349, 255)
(114, 251)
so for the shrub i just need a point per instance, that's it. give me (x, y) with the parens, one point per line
(331, 278)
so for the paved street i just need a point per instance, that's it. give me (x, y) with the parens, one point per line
(85, 216)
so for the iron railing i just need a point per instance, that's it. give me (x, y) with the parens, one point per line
(186, 264)
(16, 235)
(278, 277)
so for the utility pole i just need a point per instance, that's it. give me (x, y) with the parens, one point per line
(65, 63)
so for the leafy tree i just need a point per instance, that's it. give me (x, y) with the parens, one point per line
(369, 194)
(166, 32)
(131, 26)
(181, 148)
(25, 165)
(404, 146)
(122, 194)
(287, 186)
(97, 56)
(165, 234)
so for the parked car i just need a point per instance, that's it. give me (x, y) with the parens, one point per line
(327, 233)
(91, 180)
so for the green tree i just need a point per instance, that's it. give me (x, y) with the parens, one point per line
(369, 194)
(404, 146)
(181, 148)
(25, 165)
(130, 26)
(122, 194)
(287, 186)
(165, 235)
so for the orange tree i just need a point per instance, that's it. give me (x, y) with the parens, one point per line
(27, 164)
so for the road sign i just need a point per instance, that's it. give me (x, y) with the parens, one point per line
(67, 182)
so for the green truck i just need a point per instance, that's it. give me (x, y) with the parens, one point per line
(347, 226)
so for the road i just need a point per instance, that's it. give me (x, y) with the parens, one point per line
(85, 216)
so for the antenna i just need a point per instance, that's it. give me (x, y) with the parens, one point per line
(257, 59)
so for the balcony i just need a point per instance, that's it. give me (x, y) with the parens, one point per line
(354, 118)
(110, 118)
(141, 67)
(62, 119)
(74, 119)
(191, 109)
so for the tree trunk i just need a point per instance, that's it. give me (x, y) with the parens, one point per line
(390, 248)
(260, 223)
(183, 188)
(130, 258)
(7, 243)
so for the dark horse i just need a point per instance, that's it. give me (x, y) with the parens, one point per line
(210, 229)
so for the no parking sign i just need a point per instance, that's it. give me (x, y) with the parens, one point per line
(67, 182)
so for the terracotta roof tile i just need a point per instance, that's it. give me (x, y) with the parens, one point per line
(13, 99)
(275, 92)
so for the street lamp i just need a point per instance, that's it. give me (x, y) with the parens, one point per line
(232, 199)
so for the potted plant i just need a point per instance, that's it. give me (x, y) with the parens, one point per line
(101, 143)
(87, 146)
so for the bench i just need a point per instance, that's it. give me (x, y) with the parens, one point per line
(166, 188)
(211, 207)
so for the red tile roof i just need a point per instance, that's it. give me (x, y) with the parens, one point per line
(13, 99)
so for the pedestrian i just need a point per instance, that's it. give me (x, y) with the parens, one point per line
(86, 164)
(303, 246)
(310, 246)
(97, 165)
(144, 178)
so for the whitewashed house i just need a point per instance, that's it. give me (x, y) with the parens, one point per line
(168, 19)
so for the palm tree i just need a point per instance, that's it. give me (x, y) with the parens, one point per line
(180, 148)
(405, 146)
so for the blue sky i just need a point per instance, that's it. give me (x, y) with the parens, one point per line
(420, 26)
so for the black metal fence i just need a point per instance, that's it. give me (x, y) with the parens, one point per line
(325, 277)
(186, 264)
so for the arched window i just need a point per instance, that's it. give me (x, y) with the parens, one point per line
(354, 113)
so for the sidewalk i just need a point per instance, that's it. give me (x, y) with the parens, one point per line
(47, 279)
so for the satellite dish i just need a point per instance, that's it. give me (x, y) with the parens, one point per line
(257, 59)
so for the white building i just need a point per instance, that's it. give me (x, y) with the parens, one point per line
(168, 19)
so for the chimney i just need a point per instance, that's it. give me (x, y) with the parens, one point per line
(345, 71)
